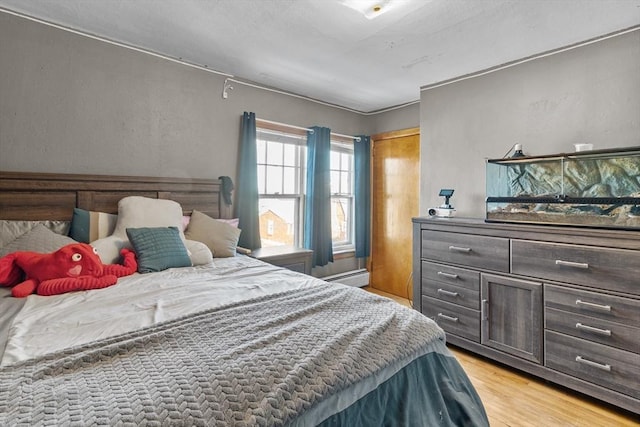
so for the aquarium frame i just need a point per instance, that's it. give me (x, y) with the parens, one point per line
(571, 155)
(563, 198)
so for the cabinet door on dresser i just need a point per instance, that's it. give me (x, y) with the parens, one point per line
(511, 316)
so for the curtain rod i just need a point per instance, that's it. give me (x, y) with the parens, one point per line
(357, 138)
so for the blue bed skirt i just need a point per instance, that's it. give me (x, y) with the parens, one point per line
(433, 390)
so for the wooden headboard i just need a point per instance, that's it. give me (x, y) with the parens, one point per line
(52, 196)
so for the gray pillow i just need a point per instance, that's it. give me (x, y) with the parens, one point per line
(38, 239)
(220, 237)
(12, 229)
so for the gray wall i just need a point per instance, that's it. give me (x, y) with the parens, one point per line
(73, 104)
(400, 118)
(590, 94)
(69, 103)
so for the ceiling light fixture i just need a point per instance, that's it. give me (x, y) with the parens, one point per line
(371, 8)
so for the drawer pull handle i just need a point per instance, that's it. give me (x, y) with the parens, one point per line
(598, 331)
(582, 265)
(447, 275)
(604, 367)
(592, 305)
(445, 317)
(448, 293)
(459, 249)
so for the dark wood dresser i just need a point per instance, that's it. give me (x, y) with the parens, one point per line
(561, 303)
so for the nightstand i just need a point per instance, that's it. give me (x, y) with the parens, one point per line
(295, 259)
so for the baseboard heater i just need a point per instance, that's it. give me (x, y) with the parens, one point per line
(358, 278)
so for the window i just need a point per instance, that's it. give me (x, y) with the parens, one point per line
(281, 188)
(341, 195)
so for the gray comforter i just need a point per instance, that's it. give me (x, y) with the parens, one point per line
(262, 362)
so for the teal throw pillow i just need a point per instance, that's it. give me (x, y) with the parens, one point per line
(158, 248)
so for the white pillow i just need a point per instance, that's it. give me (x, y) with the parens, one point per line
(199, 253)
(136, 212)
(108, 248)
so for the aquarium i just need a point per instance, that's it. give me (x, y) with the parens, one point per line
(599, 188)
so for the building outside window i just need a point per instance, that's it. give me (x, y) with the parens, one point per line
(281, 188)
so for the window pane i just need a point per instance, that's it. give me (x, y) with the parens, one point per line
(289, 180)
(341, 220)
(277, 221)
(262, 150)
(274, 180)
(274, 153)
(335, 160)
(346, 161)
(335, 182)
(344, 183)
(289, 155)
(261, 181)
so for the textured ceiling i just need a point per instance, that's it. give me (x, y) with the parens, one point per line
(324, 50)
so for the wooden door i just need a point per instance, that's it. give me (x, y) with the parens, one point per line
(395, 181)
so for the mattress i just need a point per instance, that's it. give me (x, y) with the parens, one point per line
(234, 342)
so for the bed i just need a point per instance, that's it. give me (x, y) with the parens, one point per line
(234, 341)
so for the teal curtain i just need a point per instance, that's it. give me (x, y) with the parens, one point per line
(362, 195)
(317, 207)
(247, 195)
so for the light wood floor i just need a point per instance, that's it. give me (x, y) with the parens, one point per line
(512, 398)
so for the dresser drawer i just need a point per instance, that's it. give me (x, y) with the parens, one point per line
(453, 275)
(453, 318)
(593, 304)
(596, 330)
(491, 253)
(454, 294)
(603, 268)
(600, 364)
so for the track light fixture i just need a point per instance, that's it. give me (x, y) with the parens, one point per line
(226, 88)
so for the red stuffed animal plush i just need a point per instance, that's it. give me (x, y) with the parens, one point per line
(74, 267)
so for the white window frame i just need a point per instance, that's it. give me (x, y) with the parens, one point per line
(300, 164)
(298, 196)
(340, 147)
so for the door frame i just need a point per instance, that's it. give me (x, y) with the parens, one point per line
(400, 133)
